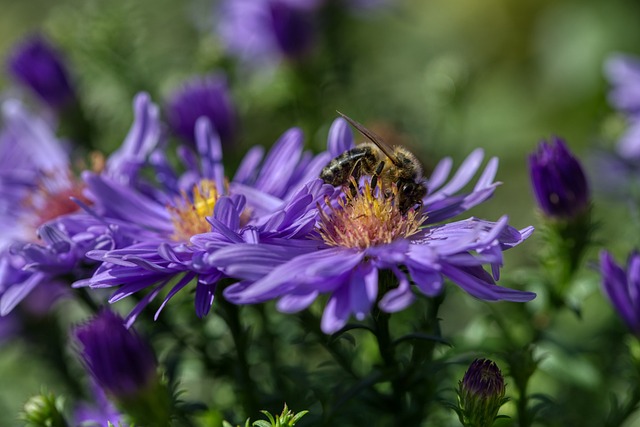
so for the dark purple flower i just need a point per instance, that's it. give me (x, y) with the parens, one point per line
(622, 287)
(120, 361)
(208, 97)
(37, 65)
(364, 234)
(481, 394)
(558, 181)
(266, 30)
(174, 230)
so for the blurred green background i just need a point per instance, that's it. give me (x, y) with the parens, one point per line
(441, 76)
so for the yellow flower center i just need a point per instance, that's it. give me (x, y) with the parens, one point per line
(366, 219)
(189, 216)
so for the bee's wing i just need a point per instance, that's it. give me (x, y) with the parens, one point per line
(388, 151)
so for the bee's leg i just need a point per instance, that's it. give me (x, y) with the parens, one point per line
(353, 189)
(354, 176)
(376, 174)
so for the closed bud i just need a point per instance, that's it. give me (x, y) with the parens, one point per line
(44, 410)
(124, 366)
(481, 393)
(208, 97)
(38, 66)
(558, 180)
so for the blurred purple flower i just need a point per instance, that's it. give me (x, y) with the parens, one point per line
(175, 229)
(558, 180)
(119, 360)
(622, 287)
(365, 234)
(623, 73)
(208, 97)
(37, 65)
(44, 209)
(259, 31)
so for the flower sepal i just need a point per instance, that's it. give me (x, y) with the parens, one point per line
(566, 242)
(151, 406)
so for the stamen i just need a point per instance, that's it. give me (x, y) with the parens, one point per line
(189, 216)
(367, 218)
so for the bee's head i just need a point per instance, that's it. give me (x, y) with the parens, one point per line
(410, 193)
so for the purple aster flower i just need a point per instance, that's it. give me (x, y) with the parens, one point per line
(37, 65)
(265, 30)
(208, 97)
(174, 230)
(361, 234)
(119, 360)
(50, 240)
(622, 287)
(558, 181)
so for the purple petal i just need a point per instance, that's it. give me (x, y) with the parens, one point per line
(340, 137)
(249, 165)
(293, 303)
(203, 299)
(16, 293)
(363, 290)
(399, 298)
(337, 311)
(210, 151)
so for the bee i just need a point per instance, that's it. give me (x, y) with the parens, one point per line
(384, 163)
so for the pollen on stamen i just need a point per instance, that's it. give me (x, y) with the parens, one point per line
(189, 216)
(367, 218)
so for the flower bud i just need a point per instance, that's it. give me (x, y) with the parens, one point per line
(558, 181)
(37, 65)
(124, 366)
(202, 97)
(121, 362)
(44, 410)
(480, 394)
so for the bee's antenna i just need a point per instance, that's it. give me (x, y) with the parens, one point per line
(372, 137)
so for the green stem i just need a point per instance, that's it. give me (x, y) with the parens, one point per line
(231, 315)
(311, 323)
(271, 347)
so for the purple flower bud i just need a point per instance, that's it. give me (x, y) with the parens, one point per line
(481, 394)
(202, 97)
(623, 288)
(119, 360)
(292, 28)
(558, 181)
(36, 64)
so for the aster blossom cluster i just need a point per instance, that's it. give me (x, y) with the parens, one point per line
(275, 229)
